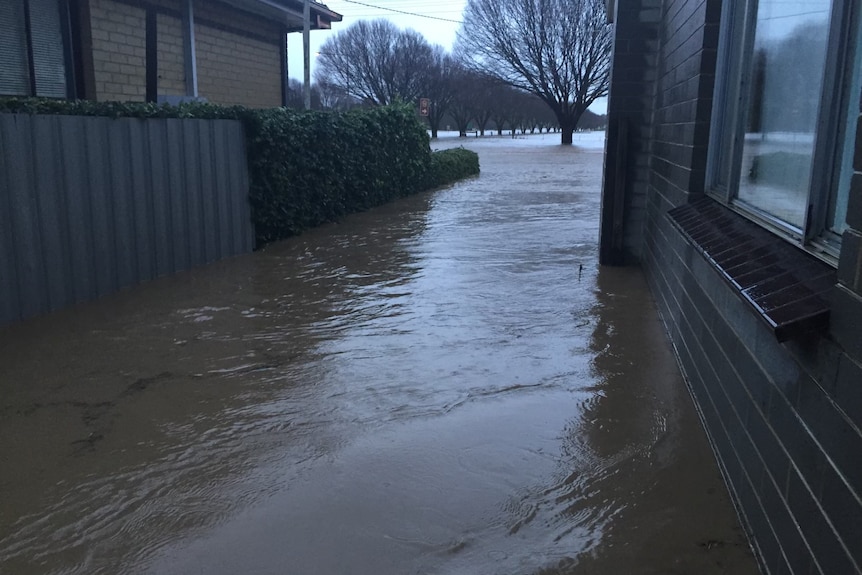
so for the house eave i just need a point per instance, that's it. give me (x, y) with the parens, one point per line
(289, 12)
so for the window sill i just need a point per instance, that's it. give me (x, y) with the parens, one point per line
(786, 287)
(820, 247)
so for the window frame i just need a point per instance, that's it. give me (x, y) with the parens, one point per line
(727, 124)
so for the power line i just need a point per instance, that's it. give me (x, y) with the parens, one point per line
(402, 12)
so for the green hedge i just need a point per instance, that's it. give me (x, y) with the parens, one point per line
(307, 168)
(122, 109)
(449, 166)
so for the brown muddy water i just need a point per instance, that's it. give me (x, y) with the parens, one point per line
(445, 385)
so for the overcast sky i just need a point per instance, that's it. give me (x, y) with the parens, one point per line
(443, 17)
(441, 29)
(436, 31)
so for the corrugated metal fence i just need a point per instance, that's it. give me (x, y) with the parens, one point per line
(92, 205)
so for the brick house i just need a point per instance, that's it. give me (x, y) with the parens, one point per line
(225, 51)
(733, 177)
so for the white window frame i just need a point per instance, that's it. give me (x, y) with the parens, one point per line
(730, 103)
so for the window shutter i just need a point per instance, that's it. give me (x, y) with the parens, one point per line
(14, 73)
(49, 59)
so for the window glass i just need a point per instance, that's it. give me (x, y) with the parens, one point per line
(723, 142)
(48, 54)
(837, 217)
(784, 88)
(14, 73)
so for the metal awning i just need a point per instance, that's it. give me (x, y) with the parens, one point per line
(289, 11)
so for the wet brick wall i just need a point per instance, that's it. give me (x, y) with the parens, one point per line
(238, 54)
(631, 102)
(784, 419)
(91, 205)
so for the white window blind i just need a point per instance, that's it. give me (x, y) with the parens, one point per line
(48, 55)
(46, 44)
(14, 74)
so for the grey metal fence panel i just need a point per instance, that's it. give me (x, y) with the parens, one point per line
(9, 307)
(177, 193)
(53, 230)
(159, 192)
(221, 184)
(75, 183)
(122, 200)
(210, 204)
(192, 153)
(24, 212)
(98, 156)
(92, 205)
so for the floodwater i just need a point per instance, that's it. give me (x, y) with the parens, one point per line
(445, 385)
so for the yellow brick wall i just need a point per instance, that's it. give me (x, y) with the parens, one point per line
(119, 50)
(172, 73)
(233, 68)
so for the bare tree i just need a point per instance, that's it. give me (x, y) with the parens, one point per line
(440, 86)
(501, 108)
(591, 121)
(484, 90)
(375, 62)
(558, 50)
(463, 107)
(333, 97)
(504, 107)
(462, 113)
(295, 97)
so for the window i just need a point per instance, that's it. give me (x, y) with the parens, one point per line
(34, 48)
(783, 127)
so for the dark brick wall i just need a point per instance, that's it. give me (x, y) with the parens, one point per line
(848, 327)
(684, 98)
(631, 101)
(784, 419)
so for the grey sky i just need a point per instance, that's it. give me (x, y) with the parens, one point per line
(437, 30)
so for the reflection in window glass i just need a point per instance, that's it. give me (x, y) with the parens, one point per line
(726, 87)
(785, 86)
(837, 217)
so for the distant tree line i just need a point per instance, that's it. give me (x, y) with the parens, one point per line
(519, 65)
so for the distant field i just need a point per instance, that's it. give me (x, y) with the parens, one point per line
(587, 140)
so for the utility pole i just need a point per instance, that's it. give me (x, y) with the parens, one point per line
(306, 49)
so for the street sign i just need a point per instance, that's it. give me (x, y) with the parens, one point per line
(424, 106)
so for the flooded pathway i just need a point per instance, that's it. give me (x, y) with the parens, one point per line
(445, 385)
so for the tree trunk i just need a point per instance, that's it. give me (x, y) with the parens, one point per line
(567, 126)
(481, 126)
(482, 121)
(434, 124)
(462, 122)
